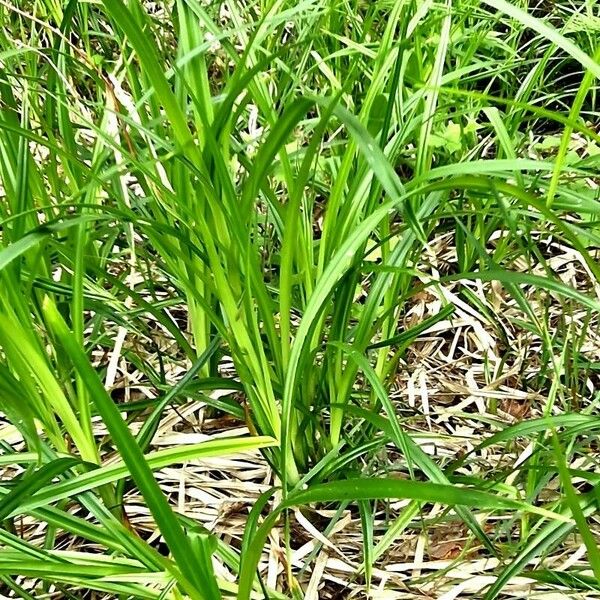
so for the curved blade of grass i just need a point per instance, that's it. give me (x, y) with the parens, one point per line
(253, 517)
(33, 238)
(148, 429)
(549, 32)
(567, 134)
(406, 337)
(546, 539)
(32, 482)
(412, 452)
(527, 428)
(568, 579)
(379, 489)
(133, 457)
(572, 500)
(251, 525)
(515, 278)
(15, 565)
(155, 460)
(356, 490)
(366, 521)
(148, 57)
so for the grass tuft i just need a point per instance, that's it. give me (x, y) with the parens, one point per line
(299, 299)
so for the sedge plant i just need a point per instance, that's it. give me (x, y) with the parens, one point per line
(280, 170)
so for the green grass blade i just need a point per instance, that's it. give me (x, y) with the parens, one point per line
(549, 32)
(32, 482)
(379, 489)
(133, 458)
(154, 460)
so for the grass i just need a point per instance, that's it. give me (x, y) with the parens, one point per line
(288, 221)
